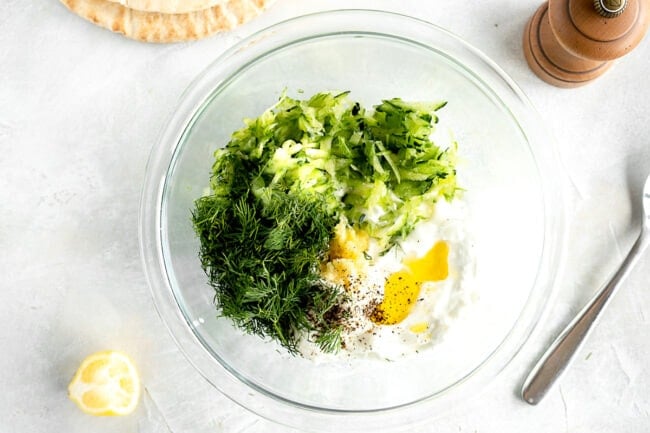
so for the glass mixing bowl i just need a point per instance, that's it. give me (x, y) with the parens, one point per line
(507, 170)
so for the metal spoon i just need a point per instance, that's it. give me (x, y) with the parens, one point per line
(557, 358)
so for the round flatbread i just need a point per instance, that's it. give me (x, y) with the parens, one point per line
(168, 6)
(164, 28)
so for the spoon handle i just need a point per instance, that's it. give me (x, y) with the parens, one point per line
(557, 358)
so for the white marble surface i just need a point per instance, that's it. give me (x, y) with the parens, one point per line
(81, 107)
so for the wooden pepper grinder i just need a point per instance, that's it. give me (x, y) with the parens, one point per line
(569, 43)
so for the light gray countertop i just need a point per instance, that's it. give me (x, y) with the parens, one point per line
(80, 109)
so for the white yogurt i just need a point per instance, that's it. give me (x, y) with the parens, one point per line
(438, 304)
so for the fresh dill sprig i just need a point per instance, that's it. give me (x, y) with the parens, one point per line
(329, 340)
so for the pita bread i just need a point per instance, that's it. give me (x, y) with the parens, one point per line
(168, 6)
(164, 28)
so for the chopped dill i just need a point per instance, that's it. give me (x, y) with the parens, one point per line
(263, 263)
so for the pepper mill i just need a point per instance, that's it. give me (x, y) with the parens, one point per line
(569, 43)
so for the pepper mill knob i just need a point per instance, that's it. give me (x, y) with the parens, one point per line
(610, 8)
(569, 43)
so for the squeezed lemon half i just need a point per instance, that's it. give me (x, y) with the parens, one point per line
(106, 384)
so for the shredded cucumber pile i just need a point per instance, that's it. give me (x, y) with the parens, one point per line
(283, 182)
